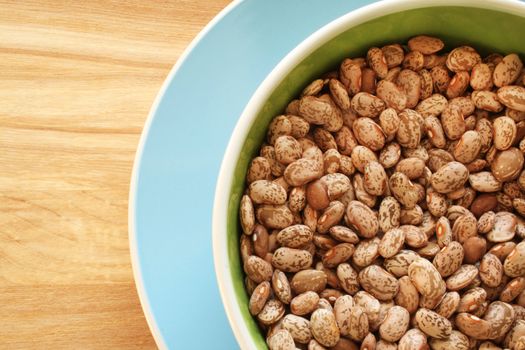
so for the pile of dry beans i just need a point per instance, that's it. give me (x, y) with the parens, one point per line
(385, 209)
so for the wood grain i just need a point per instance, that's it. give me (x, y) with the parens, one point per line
(77, 79)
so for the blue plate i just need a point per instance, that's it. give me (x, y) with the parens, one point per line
(180, 153)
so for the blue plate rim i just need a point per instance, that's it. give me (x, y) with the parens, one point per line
(132, 233)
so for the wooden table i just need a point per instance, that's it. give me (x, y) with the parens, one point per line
(77, 79)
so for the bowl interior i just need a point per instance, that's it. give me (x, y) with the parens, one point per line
(486, 30)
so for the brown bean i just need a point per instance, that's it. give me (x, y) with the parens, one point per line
(317, 195)
(425, 44)
(369, 342)
(426, 278)
(324, 327)
(259, 170)
(308, 280)
(398, 264)
(432, 106)
(474, 248)
(350, 75)
(514, 288)
(465, 226)
(409, 131)
(358, 324)
(313, 88)
(393, 95)
(393, 54)
(276, 168)
(261, 241)
(408, 296)
(258, 269)
(443, 232)
(462, 277)
(507, 165)
(440, 78)
(453, 122)
(344, 234)
(367, 105)
(392, 74)
(303, 171)
(481, 77)
(448, 304)
(348, 278)
(472, 299)
(345, 140)
(360, 156)
(514, 264)
(324, 139)
(484, 181)
(411, 167)
(458, 84)
(438, 158)
(390, 155)
(281, 340)
(501, 316)
(404, 190)
(389, 214)
(389, 121)
(362, 218)
(412, 216)
(272, 312)
(456, 340)
(513, 97)
(338, 254)
(504, 132)
(449, 177)
(314, 110)
(410, 83)
(259, 297)
(378, 282)
(368, 80)
(369, 134)
(377, 61)
(433, 324)
(462, 58)
(468, 147)
(366, 252)
(298, 327)
(449, 259)
(304, 303)
(291, 260)
(435, 132)
(375, 179)
(395, 324)
(391, 242)
(414, 60)
(414, 236)
(486, 100)
(300, 127)
(295, 236)
(427, 85)
(342, 311)
(384, 345)
(504, 227)
(247, 215)
(507, 71)
(339, 94)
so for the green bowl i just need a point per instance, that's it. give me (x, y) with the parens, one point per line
(489, 26)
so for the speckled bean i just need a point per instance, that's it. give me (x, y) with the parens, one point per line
(433, 324)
